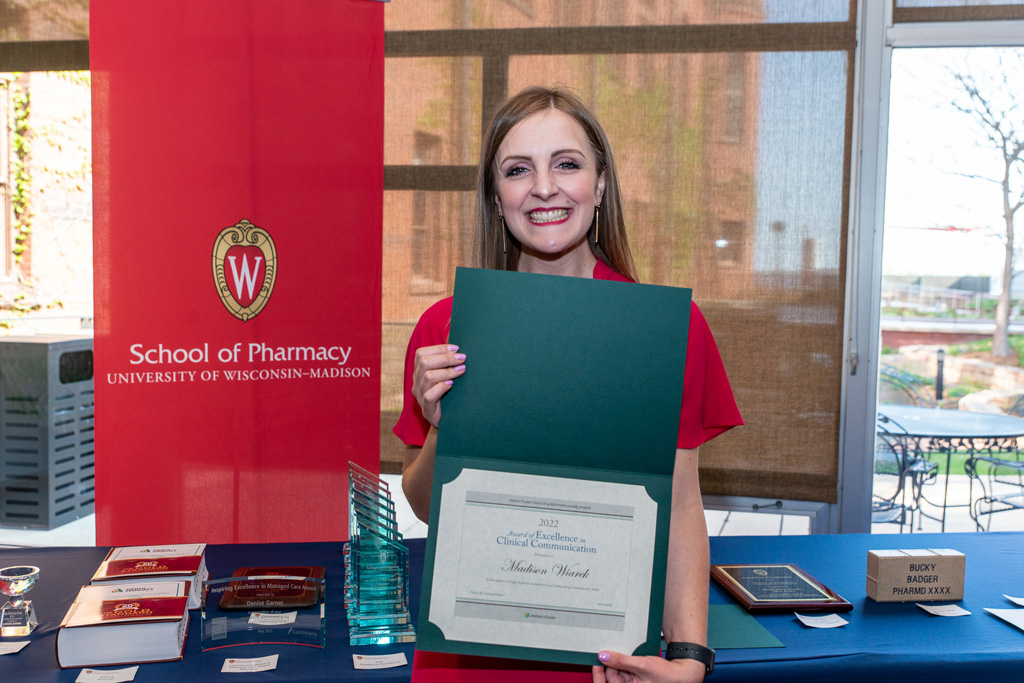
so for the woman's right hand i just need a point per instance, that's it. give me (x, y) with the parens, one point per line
(435, 370)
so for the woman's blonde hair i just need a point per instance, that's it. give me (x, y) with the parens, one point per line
(612, 246)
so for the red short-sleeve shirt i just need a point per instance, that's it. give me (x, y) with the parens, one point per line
(708, 404)
(708, 410)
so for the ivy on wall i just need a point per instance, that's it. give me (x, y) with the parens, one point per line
(22, 133)
(21, 177)
(74, 172)
(47, 161)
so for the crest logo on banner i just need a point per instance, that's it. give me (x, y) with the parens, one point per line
(244, 269)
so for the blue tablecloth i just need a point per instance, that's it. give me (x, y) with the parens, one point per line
(891, 641)
(65, 570)
(883, 641)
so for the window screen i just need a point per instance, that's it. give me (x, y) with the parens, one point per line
(730, 123)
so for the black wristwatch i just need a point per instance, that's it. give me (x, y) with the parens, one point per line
(704, 655)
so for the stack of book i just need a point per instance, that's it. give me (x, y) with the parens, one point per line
(125, 623)
(136, 608)
(137, 564)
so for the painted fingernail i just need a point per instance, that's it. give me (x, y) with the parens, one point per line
(453, 347)
(460, 356)
(460, 368)
(449, 382)
(604, 656)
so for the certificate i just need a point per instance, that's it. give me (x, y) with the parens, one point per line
(544, 562)
(552, 480)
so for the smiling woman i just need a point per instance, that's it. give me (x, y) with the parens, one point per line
(547, 176)
(548, 202)
(549, 190)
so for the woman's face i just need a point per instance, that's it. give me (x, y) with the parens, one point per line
(547, 184)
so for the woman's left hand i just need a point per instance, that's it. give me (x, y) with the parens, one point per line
(620, 668)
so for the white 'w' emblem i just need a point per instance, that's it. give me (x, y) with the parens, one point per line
(244, 268)
(249, 279)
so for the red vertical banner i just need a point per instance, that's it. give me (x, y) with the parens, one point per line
(238, 165)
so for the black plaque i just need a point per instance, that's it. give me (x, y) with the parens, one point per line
(765, 588)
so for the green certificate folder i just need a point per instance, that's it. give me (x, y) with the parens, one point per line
(553, 478)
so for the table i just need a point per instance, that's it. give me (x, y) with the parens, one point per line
(64, 570)
(883, 641)
(938, 430)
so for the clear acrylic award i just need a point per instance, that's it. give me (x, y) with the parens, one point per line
(281, 605)
(17, 616)
(376, 565)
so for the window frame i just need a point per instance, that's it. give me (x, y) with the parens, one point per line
(879, 35)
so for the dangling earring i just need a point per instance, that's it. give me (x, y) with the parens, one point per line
(597, 221)
(504, 247)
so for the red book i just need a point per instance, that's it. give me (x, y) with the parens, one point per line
(157, 563)
(158, 566)
(128, 631)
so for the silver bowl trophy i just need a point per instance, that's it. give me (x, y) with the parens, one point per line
(17, 616)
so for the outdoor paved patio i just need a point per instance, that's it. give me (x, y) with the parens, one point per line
(957, 518)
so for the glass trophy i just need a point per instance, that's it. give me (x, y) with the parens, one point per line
(281, 605)
(376, 565)
(17, 616)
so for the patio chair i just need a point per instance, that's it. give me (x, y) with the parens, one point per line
(1000, 476)
(1017, 409)
(914, 467)
(897, 387)
(887, 495)
(1002, 487)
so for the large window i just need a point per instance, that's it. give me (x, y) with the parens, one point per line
(728, 120)
(36, 36)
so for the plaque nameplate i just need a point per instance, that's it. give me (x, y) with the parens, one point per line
(275, 588)
(765, 588)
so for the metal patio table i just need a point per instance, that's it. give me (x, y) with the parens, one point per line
(940, 430)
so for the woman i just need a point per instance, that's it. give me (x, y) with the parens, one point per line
(548, 201)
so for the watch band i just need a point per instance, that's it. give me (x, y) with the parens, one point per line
(704, 655)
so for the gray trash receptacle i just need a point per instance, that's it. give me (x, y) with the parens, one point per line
(46, 430)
